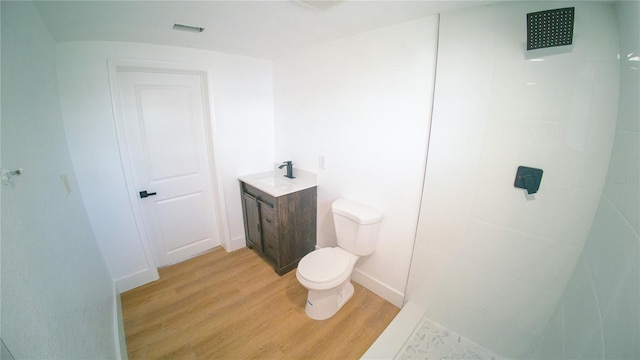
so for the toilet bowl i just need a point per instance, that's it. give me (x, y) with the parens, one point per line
(326, 272)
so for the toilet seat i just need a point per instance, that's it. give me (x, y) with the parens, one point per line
(325, 268)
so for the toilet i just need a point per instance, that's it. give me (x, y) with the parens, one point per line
(326, 272)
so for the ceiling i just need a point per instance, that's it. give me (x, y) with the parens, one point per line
(265, 29)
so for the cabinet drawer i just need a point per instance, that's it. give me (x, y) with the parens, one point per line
(270, 246)
(269, 230)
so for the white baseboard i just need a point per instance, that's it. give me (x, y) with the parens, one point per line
(118, 326)
(138, 279)
(235, 244)
(384, 291)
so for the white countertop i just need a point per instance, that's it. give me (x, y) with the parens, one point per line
(276, 184)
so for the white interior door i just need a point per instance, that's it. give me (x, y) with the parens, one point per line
(164, 125)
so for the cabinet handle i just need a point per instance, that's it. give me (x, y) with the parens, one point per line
(269, 220)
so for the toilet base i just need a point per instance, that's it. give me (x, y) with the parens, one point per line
(323, 304)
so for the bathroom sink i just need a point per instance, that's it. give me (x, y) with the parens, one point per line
(275, 181)
(274, 184)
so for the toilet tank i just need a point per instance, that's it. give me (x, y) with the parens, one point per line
(357, 226)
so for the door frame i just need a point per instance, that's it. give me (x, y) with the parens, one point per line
(205, 73)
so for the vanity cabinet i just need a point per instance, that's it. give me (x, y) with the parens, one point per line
(281, 229)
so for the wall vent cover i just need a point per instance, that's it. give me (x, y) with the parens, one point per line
(550, 28)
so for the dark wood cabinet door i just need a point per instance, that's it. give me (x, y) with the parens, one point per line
(252, 221)
(281, 229)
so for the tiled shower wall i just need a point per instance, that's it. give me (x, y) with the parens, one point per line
(599, 315)
(490, 263)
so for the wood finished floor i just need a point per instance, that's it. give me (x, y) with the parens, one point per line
(234, 306)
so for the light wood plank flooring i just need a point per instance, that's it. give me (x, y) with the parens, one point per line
(234, 306)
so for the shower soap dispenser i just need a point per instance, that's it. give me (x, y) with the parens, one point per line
(528, 178)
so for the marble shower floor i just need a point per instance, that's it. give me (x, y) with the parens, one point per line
(433, 341)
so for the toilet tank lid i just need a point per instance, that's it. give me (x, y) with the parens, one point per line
(359, 213)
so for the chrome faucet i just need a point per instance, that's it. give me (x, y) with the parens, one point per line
(289, 165)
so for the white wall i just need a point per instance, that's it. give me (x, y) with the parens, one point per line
(243, 137)
(489, 263)
(599, 315)
(57, 295)
(363, 102)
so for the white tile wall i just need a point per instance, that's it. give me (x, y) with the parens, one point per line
(623, 180)
(455, 188)
(503, 297)
(599, 316)
(554, 207)
(582, 314)
(621, 322)
(610, 251)
(544, 258)
(552, 338)
(491, 263)
(443, 231)
(506, 339)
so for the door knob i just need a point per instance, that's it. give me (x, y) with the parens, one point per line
(144, 194)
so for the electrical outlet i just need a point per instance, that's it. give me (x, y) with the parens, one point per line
(65, 183)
